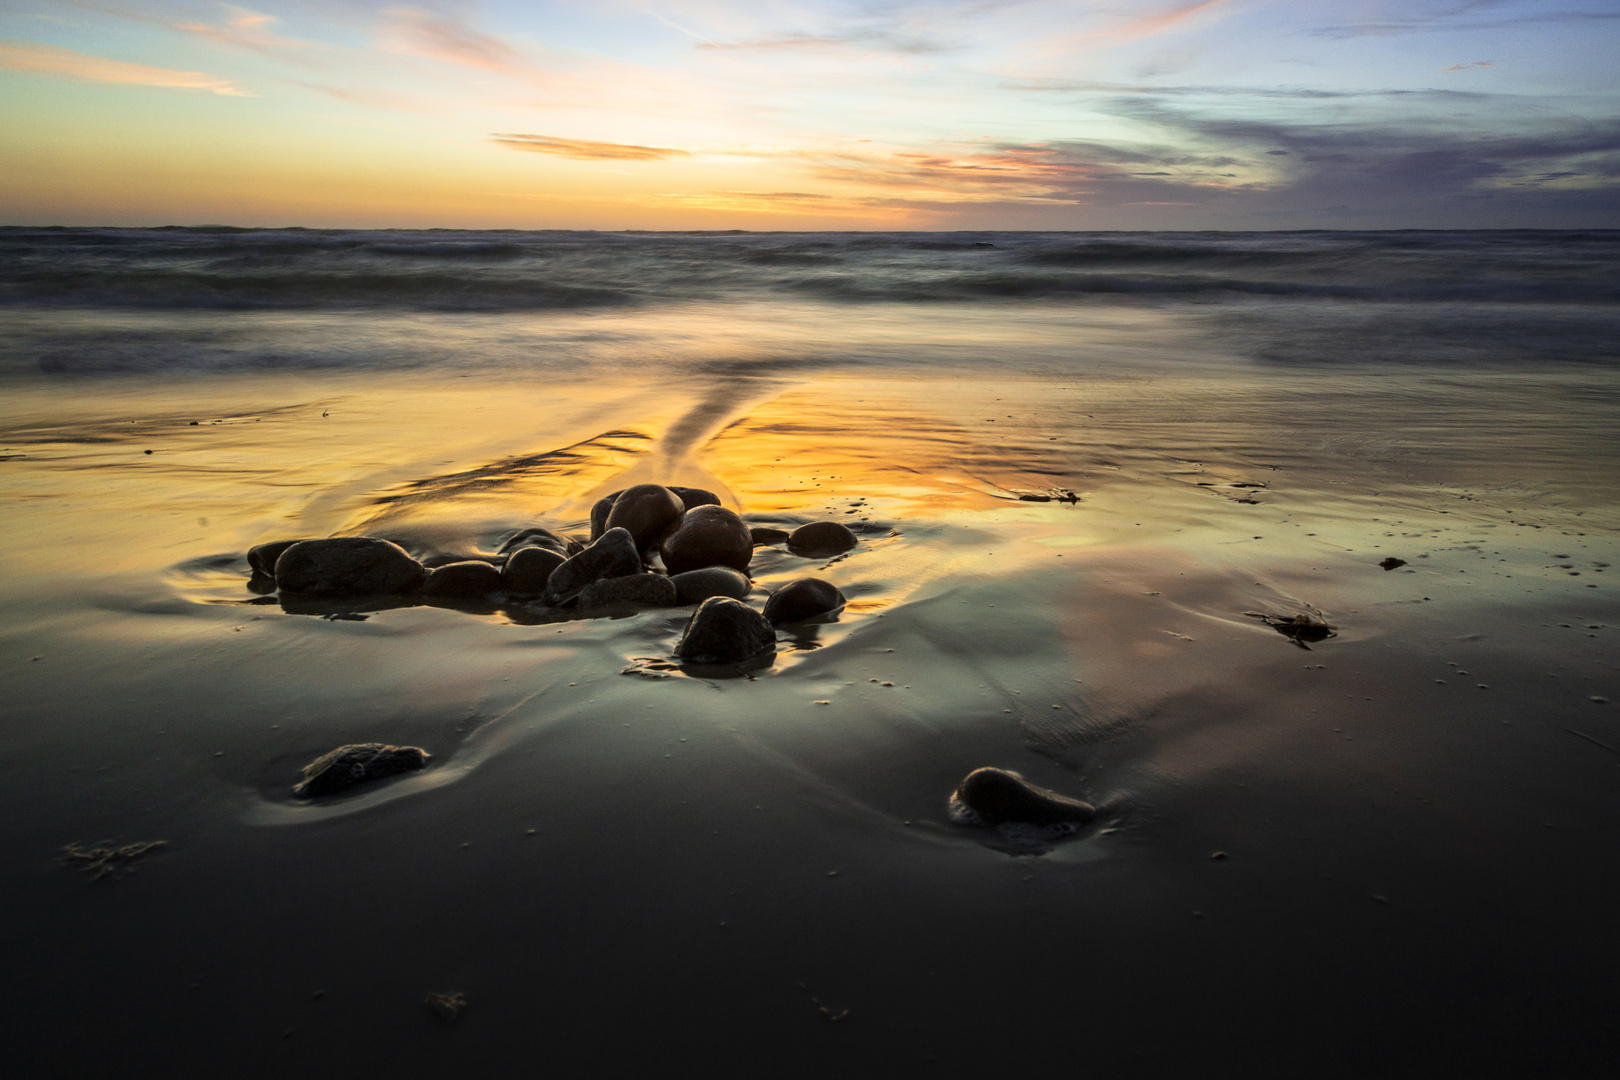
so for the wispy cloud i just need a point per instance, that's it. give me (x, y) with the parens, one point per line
(1454, 68)
(586, 150)
(65, 63)
(446, 38)
(245, 28)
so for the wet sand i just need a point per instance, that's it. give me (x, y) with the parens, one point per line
(625, 872)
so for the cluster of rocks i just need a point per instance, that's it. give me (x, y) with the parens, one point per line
(649, 546)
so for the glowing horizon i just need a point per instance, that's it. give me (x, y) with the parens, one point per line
(1021, 114)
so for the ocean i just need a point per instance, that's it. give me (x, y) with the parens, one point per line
(1090, 476)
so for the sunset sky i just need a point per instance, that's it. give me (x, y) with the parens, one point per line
(949, 114)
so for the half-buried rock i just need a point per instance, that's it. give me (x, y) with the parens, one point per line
(1000, 797)
(529, 568)
(821, 538)
(725, 631)
(646, 590)
(696, 586)
(469, 578)
(764, 534)
(803, 599)
(708, 536)
(613, 554)
(647, 511)
(347, 566)
(262, 557)
(358, 763)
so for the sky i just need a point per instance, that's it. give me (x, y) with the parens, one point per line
(817, 114)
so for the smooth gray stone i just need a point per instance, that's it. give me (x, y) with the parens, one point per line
(761, 535)
(348, 566)
(536, 537)
(821, 538)
(529, 568)
(470, 577)
(708, 536)
(357, 763)
(803, 599)
(613, 554)
(262, 557)
(725, 631)
(647, 590)
(999, 796)
(648, 511)
(696, 586)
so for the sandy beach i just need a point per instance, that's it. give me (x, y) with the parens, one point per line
(1385, 854)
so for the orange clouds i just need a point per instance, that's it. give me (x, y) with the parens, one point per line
(65, 63)
(586, 150)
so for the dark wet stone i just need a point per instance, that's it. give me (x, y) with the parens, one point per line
(691, 497)
(821, 538)
(999, 796)
(348, 566)
(725, 631)
(358, 763)
(600, 511)
(708, 536)
(647, 590)
(536, 537)
(1392, 562)
(471, 577)
(647, 511)
(802, 599)
(613, 554)
(529, 568)
(262, 557)
(696, 586)
(762, 535)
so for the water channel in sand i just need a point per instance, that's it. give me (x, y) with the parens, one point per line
(632, 871)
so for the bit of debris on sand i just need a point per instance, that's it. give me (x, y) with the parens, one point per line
(108, 858)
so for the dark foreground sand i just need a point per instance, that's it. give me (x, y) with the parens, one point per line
(628, 875)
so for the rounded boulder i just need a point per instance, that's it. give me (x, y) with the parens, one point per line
(998, 796)
(613, 554)
(347, 566)
(821, 538)
(529, 568)
(644, 590)
(468, 578)
(708, 536)
(646, 511)
(725, 631)
(803, 599)
(696, 586)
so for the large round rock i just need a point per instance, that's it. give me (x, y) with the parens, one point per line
(613, 554)
(696, 586)
(529, 568)
(803, 599)
(821, 538)
(468, 578)
(999, 796)
(725, 631)
(695, 496)
(647, 511)
(708, 536)
(347, 566)
(643, 590)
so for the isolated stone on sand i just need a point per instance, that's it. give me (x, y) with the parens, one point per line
(348, 566)
(803, 599)
(648, 590)
(723, 630)
(613, 554)
(1392, 562)
(468, 578)
(708, 536)
(821, 538)
(998, 797)
(529, 568)
(647, 511)
(357, 763)
(696, 586)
